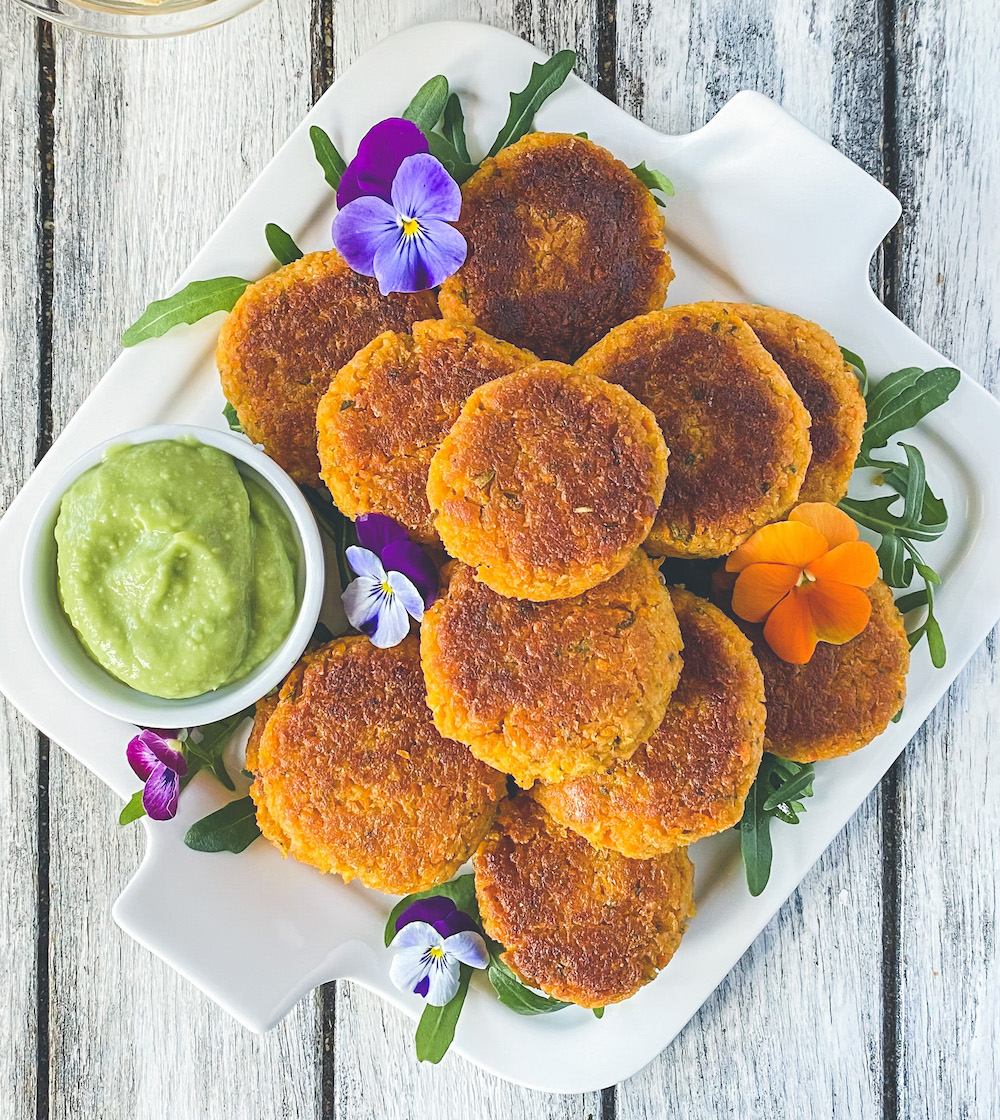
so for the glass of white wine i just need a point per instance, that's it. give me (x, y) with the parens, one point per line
(137, 19)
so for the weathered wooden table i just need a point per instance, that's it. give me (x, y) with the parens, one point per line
(875, 992)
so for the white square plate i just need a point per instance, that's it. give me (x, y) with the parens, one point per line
(765, 212)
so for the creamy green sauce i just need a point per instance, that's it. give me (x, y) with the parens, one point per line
(177, 573)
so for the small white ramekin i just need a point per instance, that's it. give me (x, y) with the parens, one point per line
(63, 652)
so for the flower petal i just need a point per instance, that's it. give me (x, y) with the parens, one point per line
(455, 922)
(761, 587)
(363, 598)
(149, 749)
(406, 595)
(429, 910)
(418, 933)
(787, 542)
(380, 153)
(361, 229)
(376, 531)
(364, 562)
(414, 264)
(839, 612)
(467, 947)
(392, 623)
(409, 966)
(159, 795)
(416, 565)
(443, 976)
(853, 562)
(423, 189)
(833, 523)
(789, 629)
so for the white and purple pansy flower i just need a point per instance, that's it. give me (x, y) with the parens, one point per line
(433, 940)
(397, 203)
(396, 581)
(156, 755)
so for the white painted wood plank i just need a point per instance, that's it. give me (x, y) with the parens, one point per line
(796, 1029)
(948, 285)
(19, 418)
(154, 144)
(374, 1072)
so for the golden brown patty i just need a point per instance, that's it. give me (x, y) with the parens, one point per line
(583, 924)
(286, 338)
(390, 407)
(548, 481)
(564, 243)
(550, 690)
(844, 695)
(813, 363)
(737, 432)
(691, 778)
(352, 777)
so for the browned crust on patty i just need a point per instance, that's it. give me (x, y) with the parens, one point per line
(564, 243)
(284, 341)
(844, 695)
(389, 408)
(691, 778)
(813, 363)
(582, 924)
(547, 482)
(737, 432)
(351, 775)
(550, 690)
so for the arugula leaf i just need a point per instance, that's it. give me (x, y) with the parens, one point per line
(461, 891)
(453, 127)
(281, 244)
(511, 992)
(338, 527)
(853, 360)
(654, 180)
(215, 737)
(436, 1029)
(598, 1012)
(428, 103)
(191, 303)
(903, 399)
(134, 809)
(232, 419)
(443, 149)
(327, 156)
(544, 80)
(775, 793)
(233, 828)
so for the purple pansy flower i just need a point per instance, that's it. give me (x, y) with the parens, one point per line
(397, 202)
(396, 580)
(156, 757)
(433, 939)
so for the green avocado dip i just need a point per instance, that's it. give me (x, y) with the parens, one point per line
(177, 573)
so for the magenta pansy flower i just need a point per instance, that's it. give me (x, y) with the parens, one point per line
(156, 757)
(396, 581)
(397, 205)
(433, 940)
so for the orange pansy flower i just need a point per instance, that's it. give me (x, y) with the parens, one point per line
(803, 579)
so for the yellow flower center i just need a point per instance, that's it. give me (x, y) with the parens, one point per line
(411, 227)
(436, 951)
(386, 587)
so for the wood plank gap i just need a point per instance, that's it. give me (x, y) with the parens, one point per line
(607, 49)
(322, 47)
(44, 208)
(328, 1058)
(609, 1103)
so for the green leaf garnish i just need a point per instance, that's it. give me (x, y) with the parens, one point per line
(232, 419)
(913, 513)
(776, 792)
(134, 809)
(215, 737)
(436, 1029)
(428, 103)
(453, 127)
(191, 303)
(655, 181)
(511, 992)
(441, 148)
(545, 79)
(338, 527)
(233, 828)
(862, 370)
(327, 156)
(598, 1012)
(281, 244)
